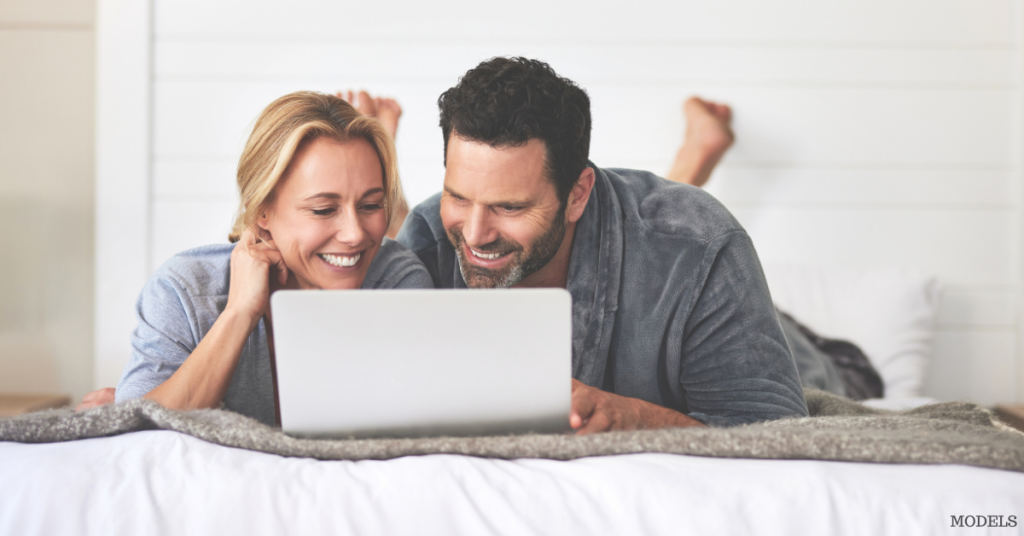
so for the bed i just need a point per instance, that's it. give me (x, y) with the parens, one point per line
(161, 482)
(166, 482)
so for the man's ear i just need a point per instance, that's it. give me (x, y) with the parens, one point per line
(579, 195)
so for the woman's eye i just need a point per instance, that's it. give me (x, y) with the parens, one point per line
(372, 207)
(323, 211)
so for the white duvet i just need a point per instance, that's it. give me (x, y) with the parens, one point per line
(163, 482)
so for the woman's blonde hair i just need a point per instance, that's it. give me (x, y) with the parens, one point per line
(285, 125)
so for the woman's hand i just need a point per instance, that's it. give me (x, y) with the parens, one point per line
(253, 263)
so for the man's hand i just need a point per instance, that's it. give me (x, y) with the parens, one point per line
(594, 410)
(96, 398)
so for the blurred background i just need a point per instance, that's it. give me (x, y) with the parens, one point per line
(869, 133)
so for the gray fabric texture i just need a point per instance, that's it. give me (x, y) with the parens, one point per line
(183, 299)
(839, 429)
(669, 301)
(815, 367)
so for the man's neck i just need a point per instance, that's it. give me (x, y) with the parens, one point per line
(554, 274)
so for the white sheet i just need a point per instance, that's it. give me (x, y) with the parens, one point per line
(165, 482)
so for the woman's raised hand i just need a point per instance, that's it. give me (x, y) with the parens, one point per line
(253, 263)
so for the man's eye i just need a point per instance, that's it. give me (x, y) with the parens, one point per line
(510, 208)
(323, 211)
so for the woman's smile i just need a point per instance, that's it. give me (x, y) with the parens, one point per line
(341, 261)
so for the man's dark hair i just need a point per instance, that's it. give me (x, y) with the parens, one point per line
(509, 101)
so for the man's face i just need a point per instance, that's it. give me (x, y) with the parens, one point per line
(500, 211)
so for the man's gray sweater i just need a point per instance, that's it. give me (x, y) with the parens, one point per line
(669, 301)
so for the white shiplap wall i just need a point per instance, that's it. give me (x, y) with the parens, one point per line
(869, 133)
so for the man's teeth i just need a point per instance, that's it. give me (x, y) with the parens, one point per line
(340, 261)
(485, 256)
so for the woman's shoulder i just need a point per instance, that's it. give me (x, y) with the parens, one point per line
(201, 271)
(395, 266)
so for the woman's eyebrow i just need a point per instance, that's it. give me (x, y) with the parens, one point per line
(372, 191)
(323, 195)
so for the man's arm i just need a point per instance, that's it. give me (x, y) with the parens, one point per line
(594, 410)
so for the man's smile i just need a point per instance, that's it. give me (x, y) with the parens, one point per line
(485, 256)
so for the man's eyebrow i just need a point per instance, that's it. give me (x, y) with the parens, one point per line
(514, 202)
(451, 192)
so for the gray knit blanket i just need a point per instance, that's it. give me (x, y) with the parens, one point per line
(839, 429)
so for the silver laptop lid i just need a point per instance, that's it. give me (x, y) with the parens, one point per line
(423, 362)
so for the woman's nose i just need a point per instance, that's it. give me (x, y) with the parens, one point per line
(350, 229)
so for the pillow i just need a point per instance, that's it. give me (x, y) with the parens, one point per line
(888, 312)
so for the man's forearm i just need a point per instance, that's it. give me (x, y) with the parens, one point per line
(594, 410)
(655, 416)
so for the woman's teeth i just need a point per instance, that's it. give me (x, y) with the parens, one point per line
(340, 261)
(485, 256)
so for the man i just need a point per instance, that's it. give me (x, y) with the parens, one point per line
(672, 321)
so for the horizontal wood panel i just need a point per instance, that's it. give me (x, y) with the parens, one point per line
(182, 225)
(751, 187)
(585, 64)
(959, 247)
(632, 124)
(192, 178)
(974, 365)
(940, 22)
(813, 126)
(213, 119)
(967, 307)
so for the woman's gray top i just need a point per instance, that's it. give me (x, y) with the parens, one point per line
(183, 299)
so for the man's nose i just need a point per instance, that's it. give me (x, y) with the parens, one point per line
(350, 229)
(478, 228)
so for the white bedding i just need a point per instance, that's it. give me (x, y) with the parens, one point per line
(163, 482)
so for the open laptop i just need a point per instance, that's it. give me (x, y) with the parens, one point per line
(394, 363)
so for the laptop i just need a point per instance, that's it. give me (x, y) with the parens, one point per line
(408, 363)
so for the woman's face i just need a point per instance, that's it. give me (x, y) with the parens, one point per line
(327, 218)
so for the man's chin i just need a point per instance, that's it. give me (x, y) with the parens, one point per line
(477, 277)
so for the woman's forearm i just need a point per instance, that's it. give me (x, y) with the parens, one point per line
(202, 380)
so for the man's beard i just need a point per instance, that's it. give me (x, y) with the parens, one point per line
(522, 264)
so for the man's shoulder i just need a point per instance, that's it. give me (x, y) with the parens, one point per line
(422, 227)
(669, 208)
(395, 266)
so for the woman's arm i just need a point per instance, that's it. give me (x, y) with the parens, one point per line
(203, 379)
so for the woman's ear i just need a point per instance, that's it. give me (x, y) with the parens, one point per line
(263, 233)
(265, 236)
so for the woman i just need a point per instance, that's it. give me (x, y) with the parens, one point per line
(318, 184)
